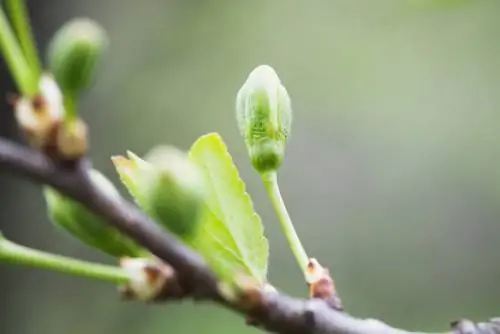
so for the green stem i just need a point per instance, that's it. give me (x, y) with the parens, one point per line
(271, 184)
(70, 111)
(14, 253)
(21, 24)
(14, 57)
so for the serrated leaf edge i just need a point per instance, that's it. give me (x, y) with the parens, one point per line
(242, 187)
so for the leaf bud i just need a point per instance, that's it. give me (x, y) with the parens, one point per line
(40, 116)
(150, 280)
(166, 186)
(74, 53)
(72, 139)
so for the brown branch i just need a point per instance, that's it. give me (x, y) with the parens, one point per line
(273, 311)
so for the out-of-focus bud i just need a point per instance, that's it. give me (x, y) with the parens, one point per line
(321, 285)
(86, 226)
(264, 115)
(74, 53)
(150, 280)
(39, 117)
(166, 186)
(71, 140)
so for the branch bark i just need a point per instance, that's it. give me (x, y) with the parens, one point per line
(275, 312)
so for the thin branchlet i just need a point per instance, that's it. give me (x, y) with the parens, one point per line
(273, 311)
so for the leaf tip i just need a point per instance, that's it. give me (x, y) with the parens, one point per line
(119, 160)
(137, 161)
(131, 155)
(122, 164)
(212, 137)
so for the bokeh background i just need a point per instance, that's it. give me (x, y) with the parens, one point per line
(392, 175)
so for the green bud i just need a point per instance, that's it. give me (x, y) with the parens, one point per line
(166, 186)
(85, 225)
(74, 53)
(264, 115)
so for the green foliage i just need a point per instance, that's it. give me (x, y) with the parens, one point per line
(181, 194)
(166, 186)
(25, 79)
(231, 238)
(199, 196)
(74, 53)
(73, 56)
(18, 14)
(74, 218)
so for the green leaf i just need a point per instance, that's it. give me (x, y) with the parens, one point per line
(232, 236)
(84, 225)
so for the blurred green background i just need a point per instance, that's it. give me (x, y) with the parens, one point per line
(391, 176)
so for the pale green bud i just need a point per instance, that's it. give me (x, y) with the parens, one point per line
(166, 186)
(264, 115)
(74, 53)
(84, 225)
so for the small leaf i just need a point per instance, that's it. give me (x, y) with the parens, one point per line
(84, 225)
(127, 170)
(232, 236)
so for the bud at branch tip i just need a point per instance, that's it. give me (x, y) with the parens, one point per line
(73, 57)
(264, 117)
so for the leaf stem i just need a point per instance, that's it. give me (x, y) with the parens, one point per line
(15, 59)
(14, 253)
(20, 20)
(272, 188)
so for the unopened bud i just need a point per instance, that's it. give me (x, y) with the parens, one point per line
(84, 225)
(150, 279)
(74, 53)
(39, 117)
(167, 186)
(71, 141)
(321, 285)
(264, 115)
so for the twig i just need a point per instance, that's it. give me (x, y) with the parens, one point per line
(74, 182)
(273, 311)
(18, 254)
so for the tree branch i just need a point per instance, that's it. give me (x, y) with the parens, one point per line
(273, 311)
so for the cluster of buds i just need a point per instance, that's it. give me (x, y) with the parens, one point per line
(42, 121)
(49, 119)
